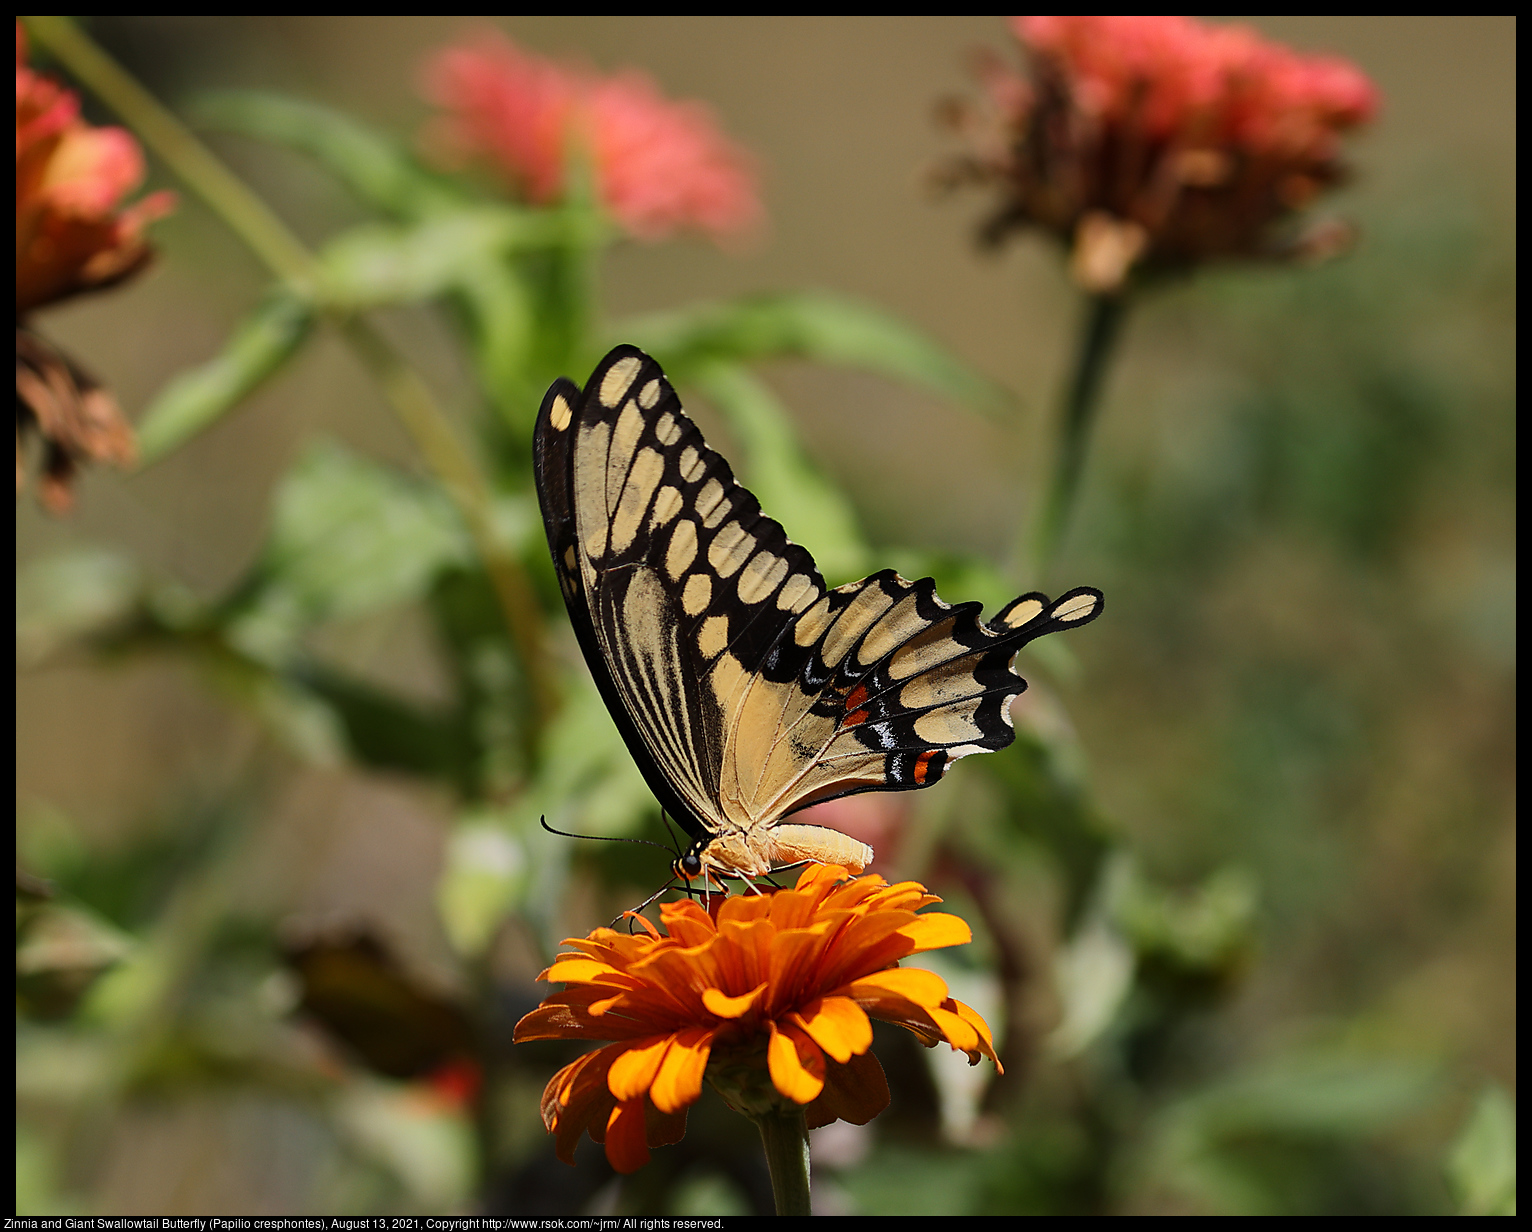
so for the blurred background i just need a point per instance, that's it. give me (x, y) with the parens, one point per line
(1290, 735)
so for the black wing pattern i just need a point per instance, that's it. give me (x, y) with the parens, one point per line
(743, 688)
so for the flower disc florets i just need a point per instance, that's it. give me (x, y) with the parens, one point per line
(770, 997)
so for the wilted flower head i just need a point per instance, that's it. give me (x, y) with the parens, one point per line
(1162, 141)
(70, 237)
(767, 996)
(659, 166)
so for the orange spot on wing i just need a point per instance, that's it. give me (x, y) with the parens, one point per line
(922, 765)
(854, 712)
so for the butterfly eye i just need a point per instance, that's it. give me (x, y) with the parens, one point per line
(690, 865)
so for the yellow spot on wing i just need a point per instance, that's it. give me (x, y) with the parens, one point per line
(690, 465)
(648, 467)
(649, 395)
(666, 505)
(812, 623)
(897, 627)
(796, 594)
(1077, 608)
(667, 429)
(1023, 612)
(698, 593)
(590, 492)
(950, 723)
(952, 683)
(707, 502)
(682, 550)
(617, 379)
(559, 413)
(630, 426)
(714, 635)
(730, 548)
(853, 622)
(925, 651)
(761, 576)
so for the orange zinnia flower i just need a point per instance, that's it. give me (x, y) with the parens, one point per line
(768, 996)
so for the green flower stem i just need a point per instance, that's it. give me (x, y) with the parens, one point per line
(285, 255)
(1103, 324)
(785, 1136)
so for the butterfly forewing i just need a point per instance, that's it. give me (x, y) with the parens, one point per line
(677, 584)
(744, 689)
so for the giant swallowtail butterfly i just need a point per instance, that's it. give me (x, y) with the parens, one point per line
(744, 688)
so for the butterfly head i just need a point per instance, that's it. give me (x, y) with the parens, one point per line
(688, 866)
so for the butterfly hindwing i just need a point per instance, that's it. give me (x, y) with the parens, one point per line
(743, 688)
(882, 686)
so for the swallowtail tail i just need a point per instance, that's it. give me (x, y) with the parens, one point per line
(744, 688)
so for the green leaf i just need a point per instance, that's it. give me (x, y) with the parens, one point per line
(1223, 1145)
(67, 596)
(1315, 1095)
(1482, 1166)
(789, 487)
(811, 325)
(388, 732)
(61, 950)
(347, 536)
(374, 167)
(483, 881)
(384, 264)
(196, 399)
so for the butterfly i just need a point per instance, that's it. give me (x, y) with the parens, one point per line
(744, 688)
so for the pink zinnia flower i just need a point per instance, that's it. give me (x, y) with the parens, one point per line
(70, 179)
(1163, 141)
(659, 166)
(71, 237)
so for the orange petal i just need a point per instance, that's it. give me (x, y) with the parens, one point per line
(851, 894)
(744, 952)
(796, 1065)
(795, 959)
(561, 1015)
(856, 1091)
(905, 895)
(869, 943)
(924, 988)
(626, 1146)
(689, 913)
(838, 1025)
(790, 909)
(679, 1081)
(571, 970)
(663, 1128)
(818, 880)
(633, 1072)
(981, 1028)
(577, 1099)
(720, 1004)
(688, 930)
(960, 1034)
(936, 930)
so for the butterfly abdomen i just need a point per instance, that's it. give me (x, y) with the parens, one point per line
(795, 844)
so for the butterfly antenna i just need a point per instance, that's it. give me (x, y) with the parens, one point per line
(603, 838)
